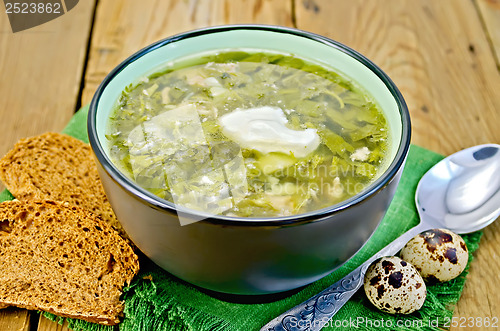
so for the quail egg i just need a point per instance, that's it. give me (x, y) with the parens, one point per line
(394, 286)
(438, 254)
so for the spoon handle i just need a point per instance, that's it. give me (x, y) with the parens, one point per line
(316, 312)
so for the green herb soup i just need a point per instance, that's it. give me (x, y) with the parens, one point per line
(250, 134)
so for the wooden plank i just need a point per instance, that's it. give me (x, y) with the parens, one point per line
(480, 297)
(490, 12)
(438, 55)
(41, 73)
(124, 27)
(44, 324)
(14, 319)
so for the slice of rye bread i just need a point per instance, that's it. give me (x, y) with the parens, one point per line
(57, 167)
(64, 260)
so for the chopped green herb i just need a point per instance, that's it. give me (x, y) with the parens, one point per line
(166, 134)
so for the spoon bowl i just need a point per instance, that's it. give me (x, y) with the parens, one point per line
(461, 193)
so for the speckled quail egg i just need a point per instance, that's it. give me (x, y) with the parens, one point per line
(394, 286)
(438, 254)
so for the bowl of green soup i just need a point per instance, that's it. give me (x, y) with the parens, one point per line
(249, 159)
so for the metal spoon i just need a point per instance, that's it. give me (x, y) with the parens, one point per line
(461, 193)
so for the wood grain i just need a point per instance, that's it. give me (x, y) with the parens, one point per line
(490, 13)
(124, 27)
(13, 319)
(44, 324)
(41, 73)
(439, 57)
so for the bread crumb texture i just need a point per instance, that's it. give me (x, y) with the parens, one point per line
(57, 167)
(62, 259)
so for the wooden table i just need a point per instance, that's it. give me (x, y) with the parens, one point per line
(443, 54)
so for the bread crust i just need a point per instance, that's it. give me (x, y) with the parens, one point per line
(63, 259)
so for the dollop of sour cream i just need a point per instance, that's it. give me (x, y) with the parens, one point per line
(264, 129)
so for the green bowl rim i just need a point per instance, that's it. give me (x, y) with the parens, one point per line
(313, 216)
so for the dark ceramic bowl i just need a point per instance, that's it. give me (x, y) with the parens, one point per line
(250, 255)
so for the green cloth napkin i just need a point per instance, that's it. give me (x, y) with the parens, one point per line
(157, 300)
